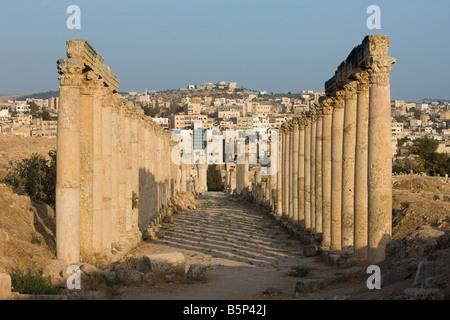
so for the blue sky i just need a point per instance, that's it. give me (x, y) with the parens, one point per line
(277, 45)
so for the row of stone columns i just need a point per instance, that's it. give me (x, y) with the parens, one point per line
(335, 176)
(114, 172)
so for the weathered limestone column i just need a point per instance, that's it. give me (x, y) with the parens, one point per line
(291, 171)
(337, 133)
(246, 167)
(97, 179)
(68, 176)
(86, 162)
(326, 173)
(318, 178)
(295, 155)
(286, 172)
(136, 164)
(313, 171)
(121, 228)
(361, 167)
(308, 174)
(279, 190)
(380, 153)
(301, 172)
(348, 169)
(115, 224)
(128, 171)
(107, 157)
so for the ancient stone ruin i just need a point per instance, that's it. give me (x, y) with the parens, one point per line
(334, 179)
(114, 175)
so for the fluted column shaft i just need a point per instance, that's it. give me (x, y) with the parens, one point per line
(361, 169)
(336, 171)
(348, 169)
(379, 158)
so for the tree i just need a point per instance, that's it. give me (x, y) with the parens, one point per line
(46, 115)
(417, 114)
(34, 176)
(151, 112)
(424, 148)
(214, 179)
(34, 108)
(433, 162)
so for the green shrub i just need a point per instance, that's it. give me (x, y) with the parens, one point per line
(34, 176)
(214, 179)
(134, 201)
(36, 239)
(299, 271)
(31, 282)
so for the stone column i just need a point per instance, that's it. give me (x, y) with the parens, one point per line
(291, 171)
(107, 157)
(326, 173)
(318, 178)
(313, 171)
(336, 170)
(379, 156)
(135, 163)
(295, 162)
(301, 172)
(68, 176)
(97, 179)
(286, 173)
(279, 189)
(348, 169)
(121, 228)
(128, 171)
(86, 163)
(308, 174)
(361, 167)
(115, 224)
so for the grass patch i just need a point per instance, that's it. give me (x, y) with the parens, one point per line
(111, 291)
(36, 239)
(299, 271)
(32, 282)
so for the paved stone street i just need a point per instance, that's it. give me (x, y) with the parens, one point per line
(245, 251)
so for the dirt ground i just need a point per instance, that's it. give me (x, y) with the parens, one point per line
(14, 148)
(414, 204)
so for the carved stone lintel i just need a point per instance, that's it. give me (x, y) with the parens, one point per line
(70, 72)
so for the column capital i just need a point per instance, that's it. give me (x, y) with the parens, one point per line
(362, 81)
(350, 90)
(89, 83)
(339, 99)
(327, 106)
(379, 69)
(70, 72)
(319, 110)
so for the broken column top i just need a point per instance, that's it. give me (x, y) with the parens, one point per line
(82, 49)
(358, 59)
